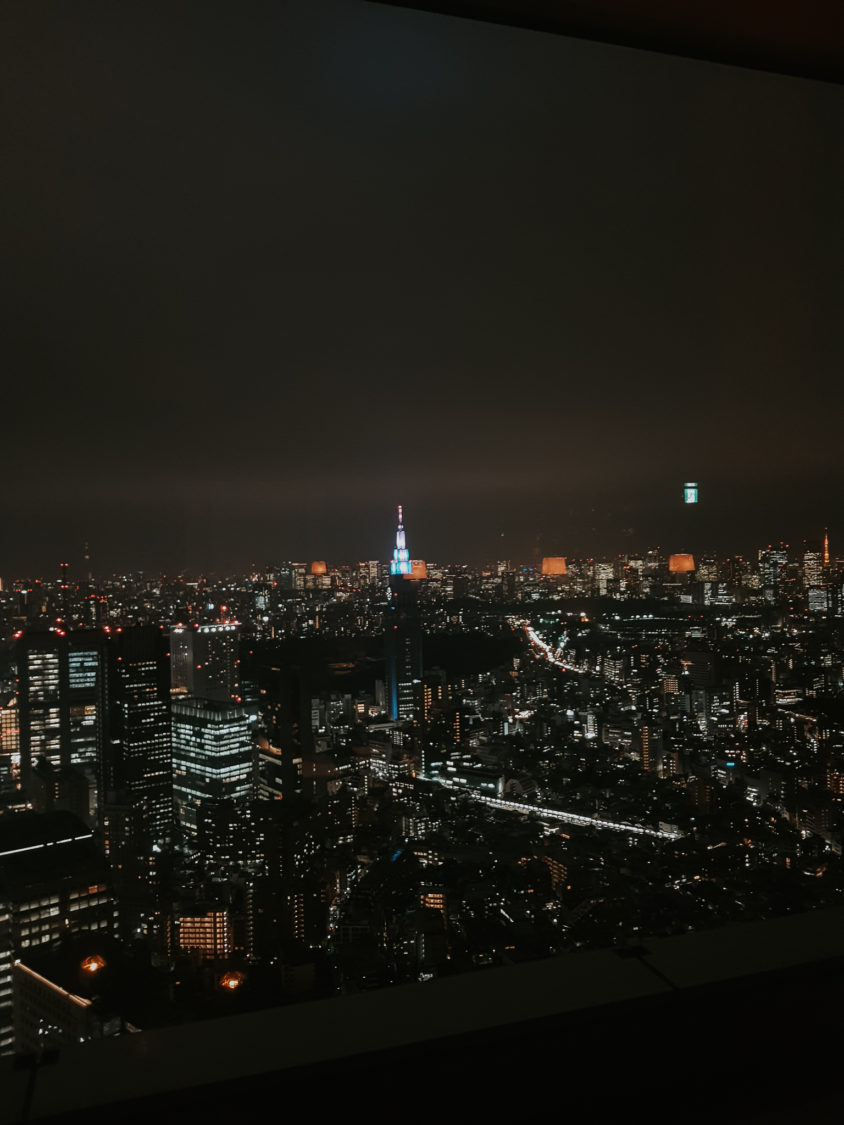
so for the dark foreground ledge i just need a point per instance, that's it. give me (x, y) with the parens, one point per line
(740, 1022)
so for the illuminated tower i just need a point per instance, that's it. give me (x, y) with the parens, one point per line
(401, 555)
(826, 547)
(402, 633)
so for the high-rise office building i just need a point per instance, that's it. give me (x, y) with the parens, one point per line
(61, 699)
(817, 599)
(94, 720)
(813, 565)
(285, 737)
(181, 659)
(212, 756)
(286, 577)
(137, 761)
(10, 742)
(204, 661)
(773, 562)
(815, 572)
(402, 633)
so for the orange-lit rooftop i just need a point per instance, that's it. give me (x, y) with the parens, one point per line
(681, 564)
(554, 565)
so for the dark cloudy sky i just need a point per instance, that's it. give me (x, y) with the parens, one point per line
(269, 268)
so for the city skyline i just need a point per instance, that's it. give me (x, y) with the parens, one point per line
(78, 567)
(305, 783)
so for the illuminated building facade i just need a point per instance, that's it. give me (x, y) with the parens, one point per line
(42, 672)
(817, 599)
(212, 756)
(813, 565)
(10, 742)
(61, 699)
(773, 564)
(402, 633)
(208, 934)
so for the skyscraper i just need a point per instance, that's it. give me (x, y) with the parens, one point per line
(204, 661)
(9, 741)
(286, 737)
(61, 699)
(402, 632)
(773, 562)
(813, 564)
(137, 762)
(212, 756)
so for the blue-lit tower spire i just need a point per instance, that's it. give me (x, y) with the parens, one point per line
(402, 634)
(401, 555)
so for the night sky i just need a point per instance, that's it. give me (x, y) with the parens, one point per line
(269, 269)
